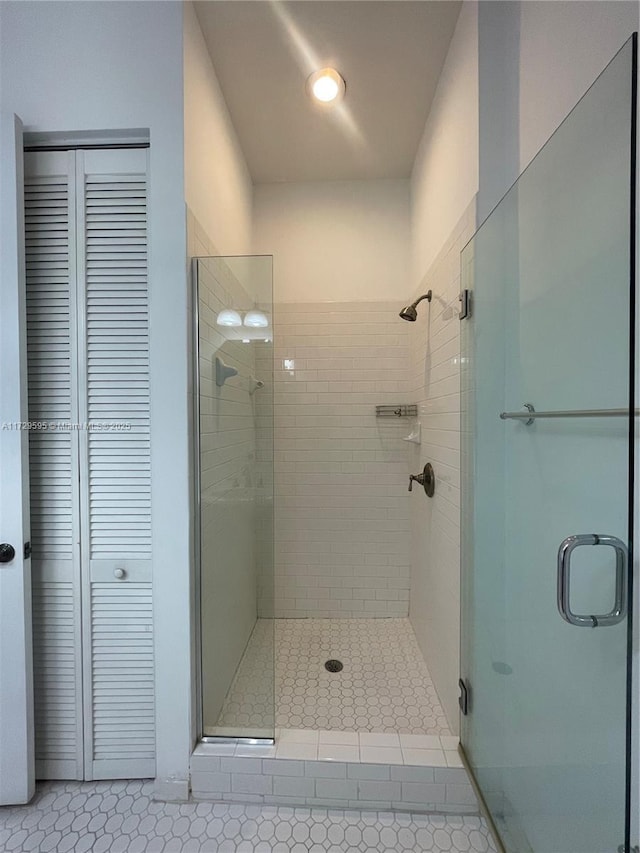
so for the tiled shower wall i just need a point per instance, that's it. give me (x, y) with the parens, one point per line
(342, 506)
(435, 523)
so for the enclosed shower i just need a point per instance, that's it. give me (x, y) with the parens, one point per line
(344, 455)
(317, 638)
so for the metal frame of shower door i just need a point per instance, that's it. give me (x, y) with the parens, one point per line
(633, 698)
(197, 501)
(197, 507)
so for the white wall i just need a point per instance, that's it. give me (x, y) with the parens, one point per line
(76, 66)
(536, 60)
(498, 97)
(218, 186)
(343, 241)
(445, 172)
(563, 48)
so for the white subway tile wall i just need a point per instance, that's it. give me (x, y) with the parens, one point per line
(435, 524)
(342, 511)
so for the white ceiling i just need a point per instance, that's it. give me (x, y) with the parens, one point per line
(390, 53)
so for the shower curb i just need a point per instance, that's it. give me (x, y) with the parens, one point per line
(331, 784)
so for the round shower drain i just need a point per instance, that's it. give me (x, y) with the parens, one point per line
(334, 665)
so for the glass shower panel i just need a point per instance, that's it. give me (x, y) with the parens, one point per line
(546, 729)
(234, 394)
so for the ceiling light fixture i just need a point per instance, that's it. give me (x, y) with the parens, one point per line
(326, 86)
(256, 320)
(229, 317)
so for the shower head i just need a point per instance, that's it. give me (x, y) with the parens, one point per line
(409, 311)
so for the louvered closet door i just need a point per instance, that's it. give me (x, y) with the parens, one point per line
(53, 462)
(116, 494)
(88, 356)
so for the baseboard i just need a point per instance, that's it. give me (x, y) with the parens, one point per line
(171, 790)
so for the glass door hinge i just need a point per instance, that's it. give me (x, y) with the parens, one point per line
(465, 304)
(463, 699)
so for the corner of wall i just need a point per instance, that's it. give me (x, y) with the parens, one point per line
(218, 186)
(446, 169)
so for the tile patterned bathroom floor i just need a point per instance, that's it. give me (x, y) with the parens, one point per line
(121, 817)
(385, 685)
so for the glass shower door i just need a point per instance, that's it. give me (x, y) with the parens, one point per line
(233, 372)
(546, 628)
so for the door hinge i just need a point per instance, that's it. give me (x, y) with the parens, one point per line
(463, 699)
(465, 304)
(27, 550)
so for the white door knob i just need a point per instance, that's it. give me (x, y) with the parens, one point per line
(119, 573)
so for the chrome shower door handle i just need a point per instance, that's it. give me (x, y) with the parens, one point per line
(619, 610)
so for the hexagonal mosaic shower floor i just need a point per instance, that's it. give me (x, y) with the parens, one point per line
(384, 686)
(121, 817)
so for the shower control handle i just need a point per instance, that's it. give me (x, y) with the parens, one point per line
(419, 478)
(427, 480)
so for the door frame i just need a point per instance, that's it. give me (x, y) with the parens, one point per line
(17, 753)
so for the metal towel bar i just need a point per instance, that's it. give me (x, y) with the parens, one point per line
(530, 415)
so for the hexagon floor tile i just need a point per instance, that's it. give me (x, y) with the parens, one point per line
(121, 817)
(385, 685)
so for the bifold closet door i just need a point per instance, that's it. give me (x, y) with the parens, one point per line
(88, 375)
(51, 284)
(115, 453)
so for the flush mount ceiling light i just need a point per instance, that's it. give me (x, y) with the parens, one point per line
(256, 320)
(229, 317)
(326, 86)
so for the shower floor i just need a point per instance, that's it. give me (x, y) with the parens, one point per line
(384, 686)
